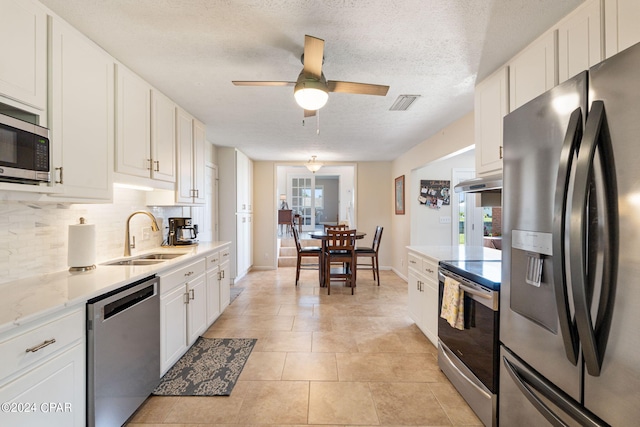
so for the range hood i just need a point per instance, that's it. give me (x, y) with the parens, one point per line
(489, 183)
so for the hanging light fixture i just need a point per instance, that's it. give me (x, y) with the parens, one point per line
(310, 93)
(312, 165)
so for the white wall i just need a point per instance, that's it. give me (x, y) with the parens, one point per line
(456, 137)
(426, 228)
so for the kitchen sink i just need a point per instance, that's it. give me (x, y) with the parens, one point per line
(147, 259)
(158, 256)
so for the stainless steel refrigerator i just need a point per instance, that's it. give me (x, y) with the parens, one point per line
(570, 296)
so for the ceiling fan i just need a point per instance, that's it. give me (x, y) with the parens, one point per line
(311, 90)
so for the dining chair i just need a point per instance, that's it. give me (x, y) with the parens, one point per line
(335, 227)
(372, 253)
(305, 252)
(340, 248)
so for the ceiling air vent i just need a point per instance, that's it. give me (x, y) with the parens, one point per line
(403, 102)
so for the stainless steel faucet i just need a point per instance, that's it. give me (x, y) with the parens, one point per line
(127, 238)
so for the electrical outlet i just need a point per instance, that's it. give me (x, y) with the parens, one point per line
(146, 233)
(445, 220)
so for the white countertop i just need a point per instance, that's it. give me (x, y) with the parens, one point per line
(28, 299)
(458, 252)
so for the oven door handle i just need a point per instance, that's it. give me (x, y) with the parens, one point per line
(474, 292)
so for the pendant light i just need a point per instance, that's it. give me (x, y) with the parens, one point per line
(312, 165)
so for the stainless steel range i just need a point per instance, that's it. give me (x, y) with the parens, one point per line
(468, 352)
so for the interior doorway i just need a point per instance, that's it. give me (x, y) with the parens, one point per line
(324, 197)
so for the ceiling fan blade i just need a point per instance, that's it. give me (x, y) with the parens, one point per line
(313, 56)
(357, 88)
(258, 83)
(309, 113)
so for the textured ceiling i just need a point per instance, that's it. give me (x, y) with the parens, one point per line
(192, 49)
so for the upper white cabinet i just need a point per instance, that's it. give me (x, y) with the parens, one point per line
(133, 124)
(580, 44)
(82, 111)
(163, 137)
(621, 25)
(190, 139)
(23, 43)
(491, 105)
(145, 129)
(533, 71)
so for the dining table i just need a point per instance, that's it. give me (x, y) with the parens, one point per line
(324, 237)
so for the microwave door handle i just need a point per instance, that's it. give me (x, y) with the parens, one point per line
(596, 140)
(570, 146)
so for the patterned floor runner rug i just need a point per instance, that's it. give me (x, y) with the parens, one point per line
(210, 367)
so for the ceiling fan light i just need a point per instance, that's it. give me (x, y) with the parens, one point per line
(312, 165)
(311, 95)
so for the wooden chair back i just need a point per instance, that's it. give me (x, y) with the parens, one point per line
(335, 227)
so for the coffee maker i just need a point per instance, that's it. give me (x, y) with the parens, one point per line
(182, 232)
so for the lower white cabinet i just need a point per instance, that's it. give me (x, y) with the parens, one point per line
(225, 284)
(423, 294)
(173, 327)
(213, 287)
(196, 308)
(183, 313)
(42, 372)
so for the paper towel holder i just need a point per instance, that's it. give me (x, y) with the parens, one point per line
(87, 268)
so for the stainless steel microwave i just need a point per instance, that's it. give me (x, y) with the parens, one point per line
(24, 152)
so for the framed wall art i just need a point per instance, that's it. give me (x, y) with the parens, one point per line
(399, 191)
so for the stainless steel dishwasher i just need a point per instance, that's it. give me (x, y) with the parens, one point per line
(123, 351)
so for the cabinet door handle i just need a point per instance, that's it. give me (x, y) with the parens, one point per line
(61, 178)
(157, 165)
(223, 274)
(148, 164)
(186, 299)
(219, 275)
(40, 346)
(429, 270)
(501, 152)
(189, 273)
(193, 294)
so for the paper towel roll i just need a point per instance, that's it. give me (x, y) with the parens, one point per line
(82, 245)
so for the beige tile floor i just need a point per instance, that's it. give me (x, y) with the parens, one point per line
(332, 360)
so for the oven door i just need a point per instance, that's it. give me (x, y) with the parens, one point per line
(477, 344)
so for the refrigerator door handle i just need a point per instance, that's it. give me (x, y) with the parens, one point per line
(527, 381)
(594, 164)
(570, 146)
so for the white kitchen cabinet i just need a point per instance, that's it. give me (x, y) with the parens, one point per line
(213, 287)
(533, 71)
(491, 105)
(82, 125)
(191, 162)
(183, 315)
(236, 205)
(163, 137)
(244, 239)
(23, 43)
(423, 294)
(173, 327)
(621, 25)
(196, 308)
(133, 124)
(225, 282)
(49, 377)
(145, 129)
(580, 41)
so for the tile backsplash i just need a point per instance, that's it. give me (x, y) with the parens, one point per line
(34, 235)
